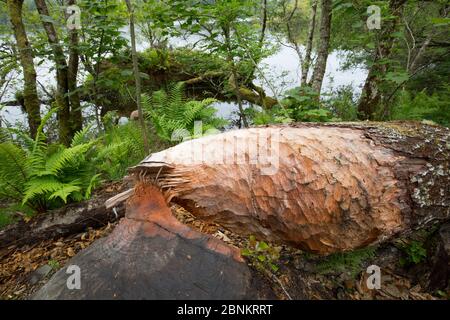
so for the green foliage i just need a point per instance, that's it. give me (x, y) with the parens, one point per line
(343, 104)
(11, 213)
(110, 85)
(155, 59)
(54, 264)
(198, 62)
(303, 105)
(42, 175)
(13, 171)
(268, 116)
(349, 262)
(174, 117)
(156, 20)
(262, 255)
(122, 146)
(101, 22)
(414, 253)
(434, 107)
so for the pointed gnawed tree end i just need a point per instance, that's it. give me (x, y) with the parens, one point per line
(151, 255)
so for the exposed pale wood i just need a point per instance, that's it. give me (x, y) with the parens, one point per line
(337, 186)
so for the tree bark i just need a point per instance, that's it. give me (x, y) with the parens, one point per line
(324, 44)
(151, 255)
(71, 219)
(69, 116)
(72, 72)
(309, 44)
(371, 96)
(62, 97)
(234, 80)
(31, 100)
(320, 187)
(137, 75)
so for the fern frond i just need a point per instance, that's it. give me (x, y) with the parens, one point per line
(22, 137)
(95, 181)
(81, 136)
(63, 192)
(40, 187)
(59, 160)
(13, 173)
(39, 141)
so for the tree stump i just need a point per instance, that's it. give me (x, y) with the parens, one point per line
(151, 255)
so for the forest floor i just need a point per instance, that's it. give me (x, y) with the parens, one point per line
(25, 269)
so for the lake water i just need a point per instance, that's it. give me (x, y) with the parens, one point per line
(282, 70)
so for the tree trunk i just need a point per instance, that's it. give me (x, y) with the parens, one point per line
(320, 187)
(62, 79)
(69, 115)
(324, 44)
(233, 80)
(71, 219)
(137, 75)
(31, 100)
(309, 44)
(371, 96)
(72, 72)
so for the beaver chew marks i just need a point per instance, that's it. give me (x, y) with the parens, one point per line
(151, 255)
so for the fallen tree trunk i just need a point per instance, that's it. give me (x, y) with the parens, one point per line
(71, 219)
(320, 187)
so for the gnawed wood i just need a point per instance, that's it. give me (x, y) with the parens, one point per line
(330, 187)
(151, 255)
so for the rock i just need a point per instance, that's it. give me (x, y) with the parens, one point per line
(150, 255)
(440, 270)
(322, 188)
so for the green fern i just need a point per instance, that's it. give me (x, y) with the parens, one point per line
(13, 172)
(170, 112)
(43, 175)
(122, 147)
